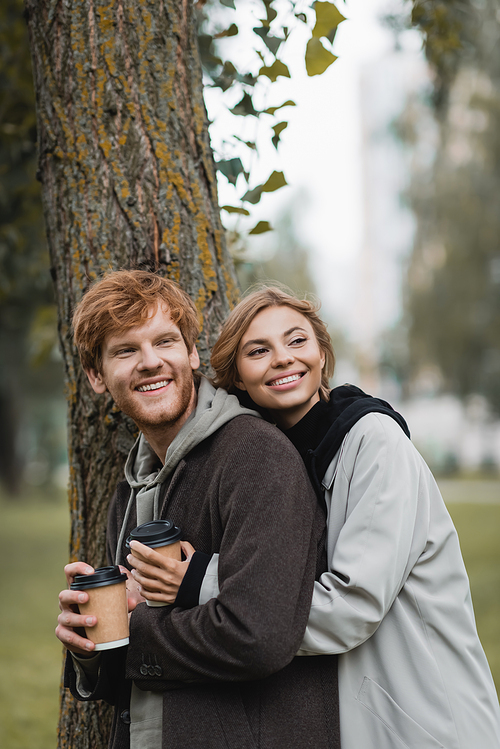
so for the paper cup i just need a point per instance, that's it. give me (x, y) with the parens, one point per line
(162, 536)
(108, 602)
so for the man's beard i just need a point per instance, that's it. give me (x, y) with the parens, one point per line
(167, 412)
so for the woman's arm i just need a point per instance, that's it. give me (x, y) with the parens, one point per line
(383, 535)
(377, 545)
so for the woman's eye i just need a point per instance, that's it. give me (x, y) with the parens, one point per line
(257, 351)
(299, 340)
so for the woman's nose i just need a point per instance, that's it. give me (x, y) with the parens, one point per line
(282, 357)
(149, 358)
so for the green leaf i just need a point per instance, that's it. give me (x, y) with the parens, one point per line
(261, 228)
(318, 59)
(275, 181)
(270, 13)
(230, 168)
(327, 19)
(273, 43)
(205, 46)
(231, 31)
(272, 110)
(234, 209)
(253, 196)
(248, 143)
(247, 78)
(276, 69)
(278, 129)
(244, 107)
(226, 77)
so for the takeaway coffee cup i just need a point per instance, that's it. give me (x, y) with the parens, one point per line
(162, 536)
(108, 602)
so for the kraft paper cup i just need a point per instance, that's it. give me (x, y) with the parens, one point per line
(108, 602)
(162, 536)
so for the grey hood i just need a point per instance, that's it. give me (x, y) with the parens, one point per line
(214, 408)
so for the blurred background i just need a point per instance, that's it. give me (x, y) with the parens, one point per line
(391, 217)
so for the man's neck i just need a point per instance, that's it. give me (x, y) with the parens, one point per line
(161, 436)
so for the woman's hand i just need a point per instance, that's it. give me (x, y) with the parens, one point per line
(133, 591)
(158, 578)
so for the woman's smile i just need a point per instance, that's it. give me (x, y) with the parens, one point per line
(289, 379)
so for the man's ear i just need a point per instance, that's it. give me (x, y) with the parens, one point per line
(194, 359)
(96, 381)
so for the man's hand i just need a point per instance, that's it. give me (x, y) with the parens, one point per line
(158, 577)
(71, 624)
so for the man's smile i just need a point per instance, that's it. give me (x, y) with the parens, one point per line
(152, 386)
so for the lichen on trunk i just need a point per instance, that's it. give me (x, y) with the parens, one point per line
(128, 180)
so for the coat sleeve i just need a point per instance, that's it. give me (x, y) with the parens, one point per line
(382, 535)
(272, 526)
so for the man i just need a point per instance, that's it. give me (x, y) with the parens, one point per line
(222, 674)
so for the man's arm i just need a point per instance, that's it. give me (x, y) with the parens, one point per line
(272, 525)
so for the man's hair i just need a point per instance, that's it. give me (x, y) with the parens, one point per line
(223, 359)
(120, 301)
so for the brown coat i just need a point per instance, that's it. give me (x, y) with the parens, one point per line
(227, 669)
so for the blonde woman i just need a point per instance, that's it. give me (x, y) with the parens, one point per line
(395, 603)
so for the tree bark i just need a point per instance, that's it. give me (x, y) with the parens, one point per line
(128, 181)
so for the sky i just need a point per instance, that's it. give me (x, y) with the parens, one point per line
(346, 209)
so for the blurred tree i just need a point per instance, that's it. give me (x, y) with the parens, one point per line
(454, 274)
(26, 294)
(280, 257)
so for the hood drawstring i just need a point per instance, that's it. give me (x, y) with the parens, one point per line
(214, 408)
(123, 529)
(156, 502)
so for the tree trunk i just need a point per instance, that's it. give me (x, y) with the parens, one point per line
(128, 181)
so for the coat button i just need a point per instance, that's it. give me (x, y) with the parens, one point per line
(158, 671)
(125, 717)
(144, 669)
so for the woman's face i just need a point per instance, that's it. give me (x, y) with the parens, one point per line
(279, 364)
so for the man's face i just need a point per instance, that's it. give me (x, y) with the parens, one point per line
(149, 372)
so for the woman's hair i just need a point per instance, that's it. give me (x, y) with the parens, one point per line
(122, 300)
(223, 359)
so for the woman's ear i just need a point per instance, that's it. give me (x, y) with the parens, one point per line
(239, 384)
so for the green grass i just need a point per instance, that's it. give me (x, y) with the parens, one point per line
(478, 526)
(33, 551)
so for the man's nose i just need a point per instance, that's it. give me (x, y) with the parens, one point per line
(149, 358)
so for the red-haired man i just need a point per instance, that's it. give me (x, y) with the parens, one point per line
(222, 674)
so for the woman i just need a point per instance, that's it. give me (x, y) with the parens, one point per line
(395, 604)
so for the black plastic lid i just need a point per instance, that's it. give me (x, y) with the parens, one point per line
(155, 533)
(102, 576)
